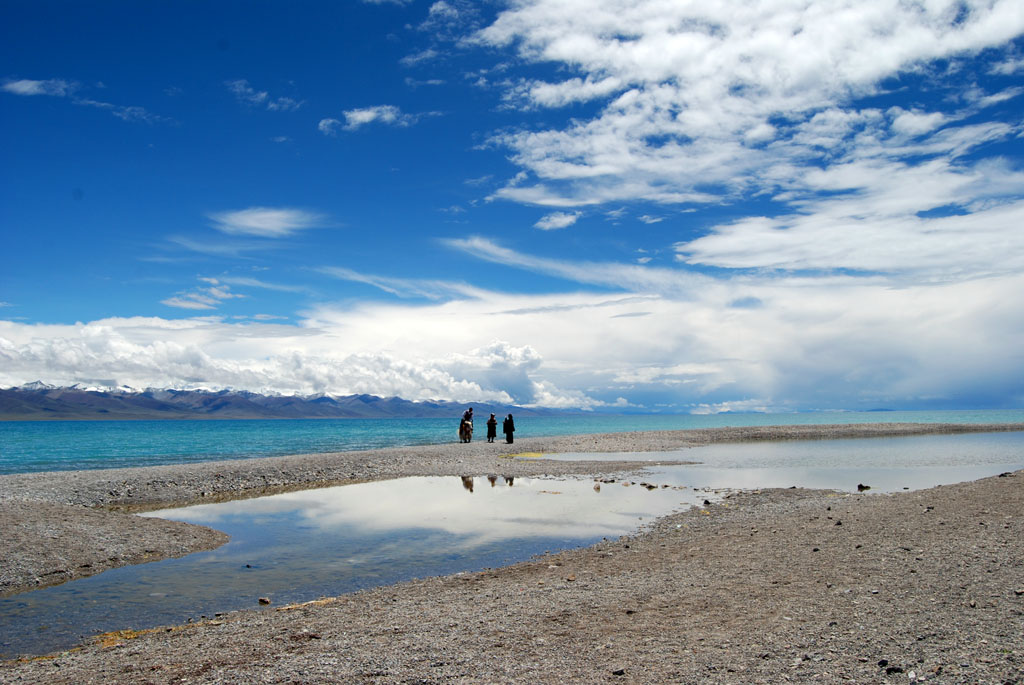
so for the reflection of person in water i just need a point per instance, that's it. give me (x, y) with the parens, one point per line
(467, 482)
(492, 428)
(508, 427)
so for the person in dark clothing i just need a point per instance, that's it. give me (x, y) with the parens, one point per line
(508, 427)
(492, 428)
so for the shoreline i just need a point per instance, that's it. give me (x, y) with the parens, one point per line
(39, 508)
(761, 585)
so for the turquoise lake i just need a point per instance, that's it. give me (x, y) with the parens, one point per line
(31, 446)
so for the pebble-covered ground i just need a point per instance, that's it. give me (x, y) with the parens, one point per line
(768, 586)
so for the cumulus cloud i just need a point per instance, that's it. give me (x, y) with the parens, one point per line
(809, 343)
(152, 352)
(265, 222)
(701, 101)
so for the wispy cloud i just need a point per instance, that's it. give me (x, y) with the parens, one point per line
(261, 98)
(53, 87)
(125, 113)
(417, 58)
(383, 114)
(557, 220)
(265, 285)
(63, 88)
(405, 287)
(265, 222)
(328, 126)
(636, 278)
(214, 248)
(202, 297)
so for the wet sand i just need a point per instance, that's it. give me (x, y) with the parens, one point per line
(766, 586)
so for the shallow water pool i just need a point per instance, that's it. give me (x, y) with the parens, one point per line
(303, 545)
(888, 464)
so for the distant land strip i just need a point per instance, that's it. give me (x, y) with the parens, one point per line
(40, 402)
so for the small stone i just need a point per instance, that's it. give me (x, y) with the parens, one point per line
(571, 577)
(619, 671)
(264, 600)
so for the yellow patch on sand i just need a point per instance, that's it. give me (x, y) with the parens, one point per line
(116, 637)
(525, 455)
(324, 601)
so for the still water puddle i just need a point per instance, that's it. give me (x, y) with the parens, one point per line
(884, 464)
(299, 546)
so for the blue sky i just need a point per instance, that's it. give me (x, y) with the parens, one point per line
(679, 207)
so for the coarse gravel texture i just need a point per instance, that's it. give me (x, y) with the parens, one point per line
(770, 586)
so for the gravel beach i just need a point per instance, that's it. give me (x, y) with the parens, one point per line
(766, 586)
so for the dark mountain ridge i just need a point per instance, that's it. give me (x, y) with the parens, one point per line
(38, 401)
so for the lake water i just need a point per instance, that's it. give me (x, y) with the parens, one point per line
(30, 446)
(299, 546)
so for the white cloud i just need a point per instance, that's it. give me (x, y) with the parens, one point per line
(417, 58)
(328, 126)
(813, 342)
(260, 98)
(915, 123)
(63, 88)
(874, 225)
(123, 112)
(404, 287)
(54, 87)
(265, 222)
(202, 297)
(557, 220)
(385, 114)
(701, 100)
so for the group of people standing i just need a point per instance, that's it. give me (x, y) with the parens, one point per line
(508, 426)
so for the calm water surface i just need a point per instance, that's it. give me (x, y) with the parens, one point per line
(300, 546)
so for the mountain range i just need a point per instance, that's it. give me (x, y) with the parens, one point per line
(39, 401)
